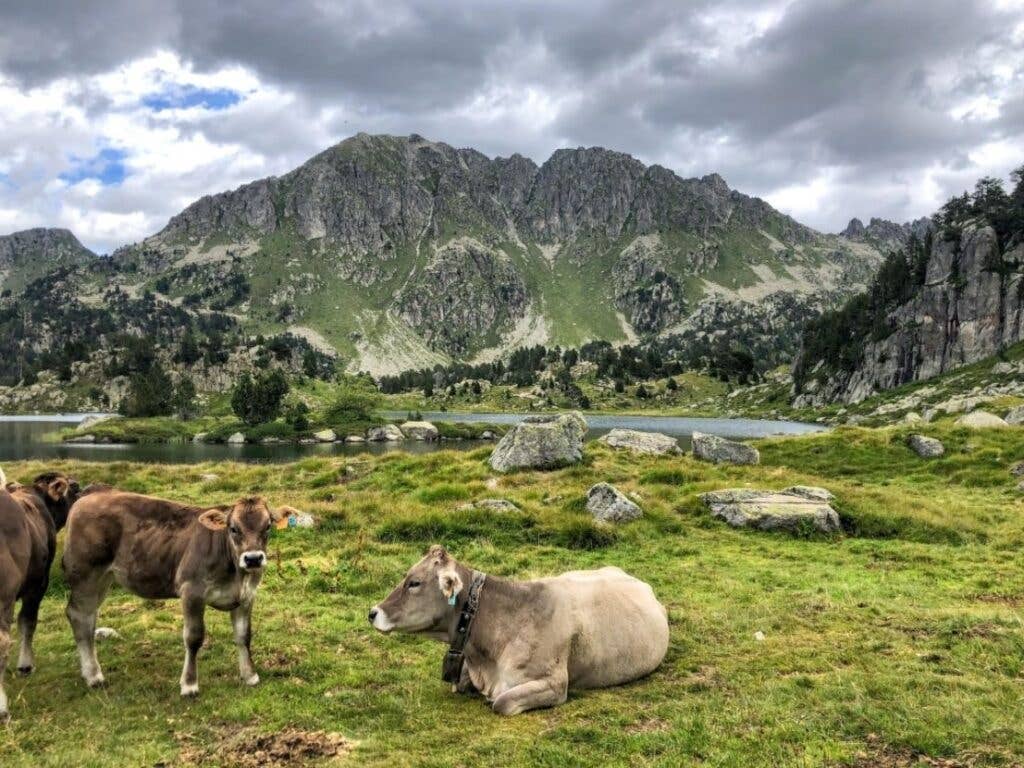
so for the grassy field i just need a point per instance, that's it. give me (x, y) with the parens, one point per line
(895, 644)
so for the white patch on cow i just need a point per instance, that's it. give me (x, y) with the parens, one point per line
(189, 689)
(381, 622)
(252, 680)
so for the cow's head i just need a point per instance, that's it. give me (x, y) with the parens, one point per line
(247, 523)
(58, 492)
(423, 601)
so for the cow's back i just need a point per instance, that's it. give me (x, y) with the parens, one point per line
(619, 630)
(141, 539)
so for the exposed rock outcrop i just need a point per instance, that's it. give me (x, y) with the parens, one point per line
(926, 447)
(970, 306)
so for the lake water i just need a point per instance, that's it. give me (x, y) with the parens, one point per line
(26, 437)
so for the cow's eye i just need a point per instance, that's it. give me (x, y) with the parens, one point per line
(413, 584)
(235, 530)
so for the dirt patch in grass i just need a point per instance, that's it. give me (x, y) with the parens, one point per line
(1013, 601)
(649, 725)
(880, 755)
(284, 749)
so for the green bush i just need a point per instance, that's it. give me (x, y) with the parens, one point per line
(258, 401)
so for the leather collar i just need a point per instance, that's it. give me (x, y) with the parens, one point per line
(451, 669)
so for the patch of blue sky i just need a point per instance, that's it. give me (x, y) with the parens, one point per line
(106, 166)
(187, 96)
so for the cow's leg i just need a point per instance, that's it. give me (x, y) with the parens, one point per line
(536, 694)
(83, 604)
(6, 612)
(193, 633)
(241, 621)
(27, 620)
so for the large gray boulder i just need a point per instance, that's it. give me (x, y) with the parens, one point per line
(926, 447)
(722, 451)
(794, 509)
(541, 442)
(608, 504)
(981, 420)
(236, 439)
(634, 440)
(420, 430)
(326, 436)
(388, 433)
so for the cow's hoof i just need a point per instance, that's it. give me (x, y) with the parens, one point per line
(253, 679)
(97, 682)
(190, 691)
(25, 671)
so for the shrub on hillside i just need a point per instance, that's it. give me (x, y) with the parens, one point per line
(258, 401)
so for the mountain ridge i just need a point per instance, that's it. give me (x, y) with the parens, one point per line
(399, 252)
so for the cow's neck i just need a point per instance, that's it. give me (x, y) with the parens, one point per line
(498, 597)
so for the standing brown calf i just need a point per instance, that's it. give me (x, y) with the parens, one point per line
(30, 516)
(161, 549)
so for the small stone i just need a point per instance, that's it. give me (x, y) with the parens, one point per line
(912, 417)
(236, 439)
(926, 447)
(199, 437)
(759, 636)
(355, 439)
(326, 436)
(1017, 470)
(493, 505)
(106, 633)
(209, 477)
(609, 505)
(1015, 416)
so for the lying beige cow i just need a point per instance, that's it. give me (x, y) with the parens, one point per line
(527, 643)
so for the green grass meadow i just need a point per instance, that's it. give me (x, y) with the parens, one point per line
(898, 643)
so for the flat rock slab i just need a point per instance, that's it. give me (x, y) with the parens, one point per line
(608, 504)
(653, 443)
(492, 505)
(541, 442)
(722, 451)
(794, 509)
(926, 447)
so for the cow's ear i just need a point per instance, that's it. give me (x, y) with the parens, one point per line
(280, 513)
(57, 489)
(214, 519)
(450, 584)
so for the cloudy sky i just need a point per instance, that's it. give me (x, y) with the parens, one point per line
(114, 115)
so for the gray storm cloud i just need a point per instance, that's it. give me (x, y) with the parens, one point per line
(830, 108)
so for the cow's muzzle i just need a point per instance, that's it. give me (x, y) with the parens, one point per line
(380, 620)
(252, 561)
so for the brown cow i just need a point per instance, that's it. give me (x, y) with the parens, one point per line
(30, 516)
(161, 549)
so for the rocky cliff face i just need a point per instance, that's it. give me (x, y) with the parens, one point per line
(886, 235)
(971, 305)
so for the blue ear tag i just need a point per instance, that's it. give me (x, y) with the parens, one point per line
(451, 600)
